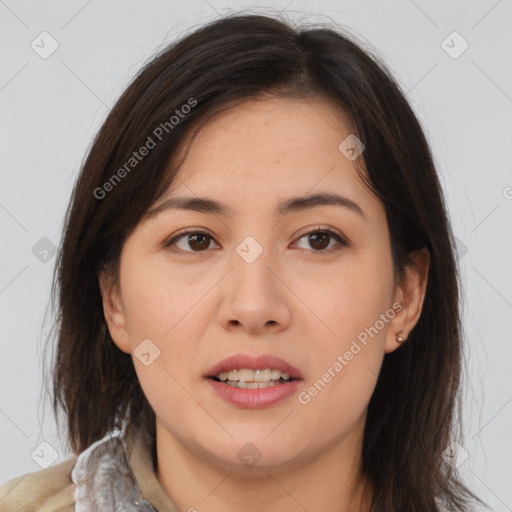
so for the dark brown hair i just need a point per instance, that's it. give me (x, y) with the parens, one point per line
(414, 412)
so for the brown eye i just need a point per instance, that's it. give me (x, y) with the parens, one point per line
(191, 241)
(320, 240)
(199, 241)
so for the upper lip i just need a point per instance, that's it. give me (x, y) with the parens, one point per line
(239, 361)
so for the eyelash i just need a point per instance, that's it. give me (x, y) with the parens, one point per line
(340, 240)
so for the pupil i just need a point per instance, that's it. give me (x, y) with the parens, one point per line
(322, 245)
(203, 245)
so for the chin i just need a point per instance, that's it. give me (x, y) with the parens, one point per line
(253, 457)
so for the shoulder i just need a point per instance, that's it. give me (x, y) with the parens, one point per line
(49, 489)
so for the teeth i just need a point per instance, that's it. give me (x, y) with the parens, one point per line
(232, 375)
(252, 379)
(246, 375)
(275, 374)
(262, 376)
(251, 385)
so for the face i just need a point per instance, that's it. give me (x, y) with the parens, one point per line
(275, 280)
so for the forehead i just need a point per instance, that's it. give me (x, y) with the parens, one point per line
(268, 148)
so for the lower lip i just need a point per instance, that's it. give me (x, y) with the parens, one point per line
(255, 398)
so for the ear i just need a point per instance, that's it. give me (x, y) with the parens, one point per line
(410, 293)
(113, 311)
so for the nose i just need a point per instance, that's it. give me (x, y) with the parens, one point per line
(254, 298)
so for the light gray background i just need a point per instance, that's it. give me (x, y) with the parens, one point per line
(51, 108)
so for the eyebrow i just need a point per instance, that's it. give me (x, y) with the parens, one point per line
(294, 204)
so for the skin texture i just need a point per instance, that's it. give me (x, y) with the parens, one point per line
(203, 305)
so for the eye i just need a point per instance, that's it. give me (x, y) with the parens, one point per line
(197, 240)
(320, 239)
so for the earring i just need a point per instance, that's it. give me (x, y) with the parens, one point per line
(399, 338)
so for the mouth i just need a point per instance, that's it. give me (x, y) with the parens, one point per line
(244, 368)
(247, 378)
(254, 382)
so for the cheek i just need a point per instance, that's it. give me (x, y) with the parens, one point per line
(154, 299)
(340, 401)
(350, 349)
(351, 297)
(164, 308)
(347, 363)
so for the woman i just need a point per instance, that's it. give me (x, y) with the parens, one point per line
(257, 293)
